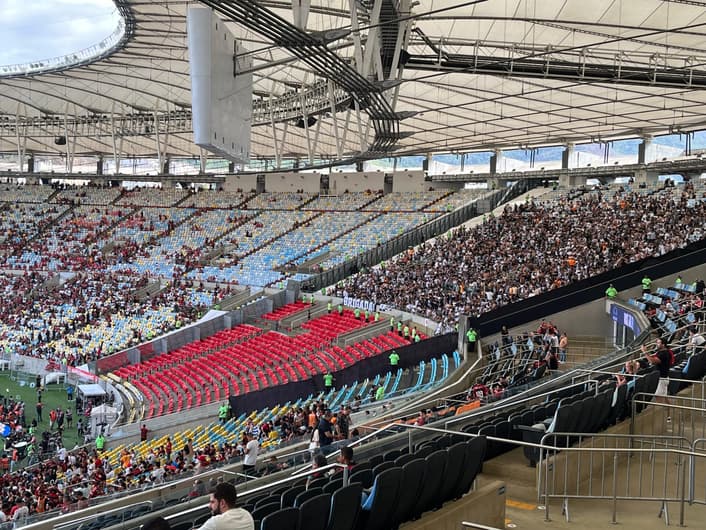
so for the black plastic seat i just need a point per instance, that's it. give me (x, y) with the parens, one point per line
(318, 482)
(404, 459)
(385, 491)
(375, 460)
(314, 512)
(345, 508)
(364, 476)
(475, 454)
(391, 456)
(282, 519)
(456, 463)
(383, 467)
(433, 477)
(412, 483)
(306, 495)
(259, 513)
(333, 485)
(288, 496)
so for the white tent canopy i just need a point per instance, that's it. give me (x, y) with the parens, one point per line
(102, 417)
(91, 390)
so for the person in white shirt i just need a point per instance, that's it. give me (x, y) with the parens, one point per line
(158, 474)
(21, 513)
(251, 450)
(696, 340)
(225, 515)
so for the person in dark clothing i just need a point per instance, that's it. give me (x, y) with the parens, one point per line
(661, 358)
(325, 431)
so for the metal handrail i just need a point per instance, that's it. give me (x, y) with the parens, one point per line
(515, 402)
(74, 522)
(270, 485)
(616, 451)
(468, 524)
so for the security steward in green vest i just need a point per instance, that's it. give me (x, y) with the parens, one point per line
(394, 358)
(328, 381)
(611, 292)
(472, 336)
(223, 413)
(646, 284)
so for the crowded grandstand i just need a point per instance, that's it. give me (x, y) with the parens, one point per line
(307, 336)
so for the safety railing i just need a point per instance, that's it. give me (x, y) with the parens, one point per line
(615, 467)
(684, 414)
(467, 524)
(249, 493)
(518, 402)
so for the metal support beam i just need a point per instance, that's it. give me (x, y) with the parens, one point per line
(300, 13)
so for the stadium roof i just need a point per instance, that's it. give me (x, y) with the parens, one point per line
(476, 75)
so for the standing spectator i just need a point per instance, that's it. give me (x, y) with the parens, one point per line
(563, 344)
(251, 450)
(69, 417)
(662, 359)
(39, 411)
(53, 416)
(70, 393)
(325, 431)
(144, 431)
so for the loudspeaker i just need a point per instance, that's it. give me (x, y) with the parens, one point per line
(60, 140)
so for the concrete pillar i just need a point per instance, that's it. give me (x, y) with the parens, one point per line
(359, 167)
(99, 166)
(496, 162)
(645, 151)
(30, 164)
(567, 155)
(165, 166)
(642, 176)
(426, 163)
(567, 180)
(231, 167)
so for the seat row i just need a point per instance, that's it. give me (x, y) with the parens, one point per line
(402, 486)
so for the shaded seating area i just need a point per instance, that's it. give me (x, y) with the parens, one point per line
(378, 497)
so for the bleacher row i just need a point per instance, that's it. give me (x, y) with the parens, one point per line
(406, 485)
(216, 434)
(246, 358)
(264, 233)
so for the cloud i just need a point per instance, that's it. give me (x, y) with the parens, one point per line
(36, 29)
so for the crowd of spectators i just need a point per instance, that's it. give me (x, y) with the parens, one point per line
(90, 314)
(529, 249)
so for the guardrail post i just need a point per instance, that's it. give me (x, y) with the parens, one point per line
(615, 487)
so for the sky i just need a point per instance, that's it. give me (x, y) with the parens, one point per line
(42, 29)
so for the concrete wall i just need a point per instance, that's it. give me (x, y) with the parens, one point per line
(484, 506)
(281, 182)
(240, 182)
(356, 182)
(409, 181)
